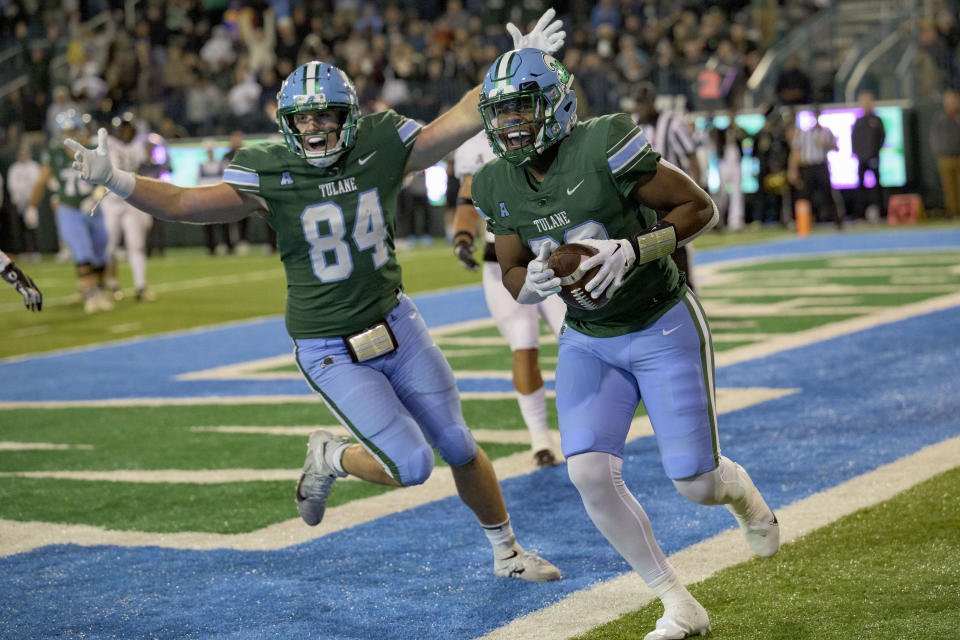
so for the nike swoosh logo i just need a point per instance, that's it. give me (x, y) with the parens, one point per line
(364, 159)
(570, 190)
(667, 332)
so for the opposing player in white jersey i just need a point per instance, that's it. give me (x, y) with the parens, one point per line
(518, 323)
(122, 219)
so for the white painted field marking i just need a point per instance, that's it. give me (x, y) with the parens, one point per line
(41, 446)
(578, 613)
(834, 329)
(19, 537)
(125, 328)
(29, 331)
(168, 476)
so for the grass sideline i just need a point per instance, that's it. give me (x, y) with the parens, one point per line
(898, 562)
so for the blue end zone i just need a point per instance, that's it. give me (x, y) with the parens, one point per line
(146, 368)
(867, 399)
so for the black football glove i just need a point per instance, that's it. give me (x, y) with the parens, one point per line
(464, 252)
(32, 298)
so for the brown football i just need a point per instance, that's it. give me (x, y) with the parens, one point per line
(565, 262)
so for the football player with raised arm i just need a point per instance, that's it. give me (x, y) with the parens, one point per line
(518, 324)
(86, 235)
(599, 183)
(330, 192)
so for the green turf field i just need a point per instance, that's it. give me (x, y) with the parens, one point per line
(888, 571)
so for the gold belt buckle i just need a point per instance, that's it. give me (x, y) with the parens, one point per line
(371, 343)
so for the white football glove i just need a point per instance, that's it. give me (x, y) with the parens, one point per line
(95, 167)
(540, 282)
(615, 258)
(546, 36)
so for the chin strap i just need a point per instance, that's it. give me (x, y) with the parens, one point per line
(657, 241)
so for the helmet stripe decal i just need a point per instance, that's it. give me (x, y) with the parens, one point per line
(503, 69)
(310, 79)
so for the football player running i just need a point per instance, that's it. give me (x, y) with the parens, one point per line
(599, 183)
(330, 192)
(518, 324)
(86, 235)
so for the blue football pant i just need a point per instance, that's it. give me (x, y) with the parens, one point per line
(85, 235)
(600, 382)
(397, 406)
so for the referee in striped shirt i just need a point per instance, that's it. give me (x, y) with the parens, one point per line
(672, 139)
(808, 170)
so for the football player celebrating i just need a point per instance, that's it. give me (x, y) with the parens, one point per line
(600, 184)
(519, 324)
(86, 235)
(24, 285)
(330, 192)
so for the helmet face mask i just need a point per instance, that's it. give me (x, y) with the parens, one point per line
(527, 104)
(514, 123)
(317, 113)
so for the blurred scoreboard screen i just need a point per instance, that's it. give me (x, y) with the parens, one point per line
(842, 162)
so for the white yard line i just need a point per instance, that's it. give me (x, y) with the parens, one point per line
(19, 537)
(834, 329)
(578, 613)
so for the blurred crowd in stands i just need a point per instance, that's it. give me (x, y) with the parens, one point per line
(207, 67)
(202, 68)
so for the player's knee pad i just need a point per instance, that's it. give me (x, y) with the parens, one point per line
(594, 474)
(456, 445)
(712, 487)
(418, 466)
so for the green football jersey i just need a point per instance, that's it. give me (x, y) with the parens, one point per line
(71, 190)
(586, 194)
(335, 225)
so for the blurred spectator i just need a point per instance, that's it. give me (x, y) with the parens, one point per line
(259, 42)
(62, 101)
(414, 212)
(810, 173)
(945, 144)
(218, 51)
(21, 176)
(211, 172)
(772, 150)
(244, 101)
(867, 140)
(728, 142)
(793, 84)
(204, 103)
(605, 12)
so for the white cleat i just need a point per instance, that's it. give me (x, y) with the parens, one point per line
(524, 565)
(759, 527)
(313, 489)
(686, 620)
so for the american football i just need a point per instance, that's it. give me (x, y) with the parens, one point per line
(565, 262)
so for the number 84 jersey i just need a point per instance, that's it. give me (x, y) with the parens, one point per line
(335, 225)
